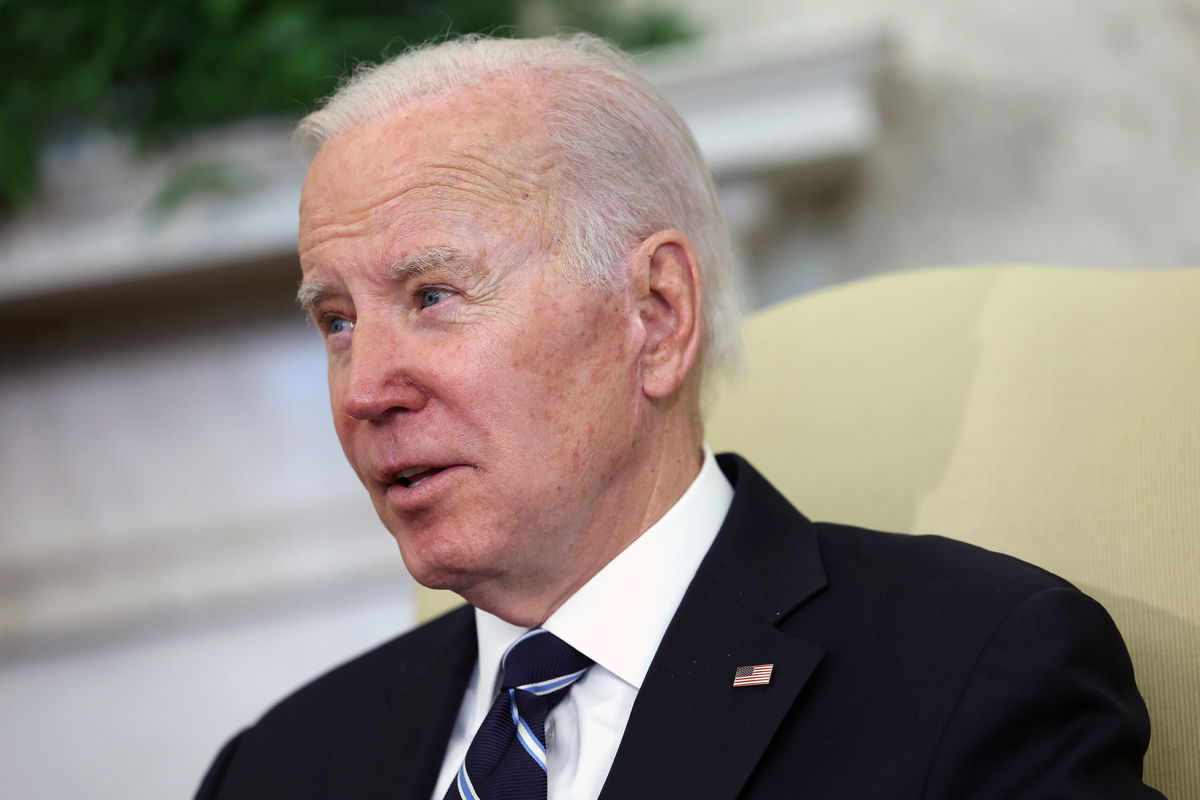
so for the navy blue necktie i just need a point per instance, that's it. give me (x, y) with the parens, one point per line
(507, 757)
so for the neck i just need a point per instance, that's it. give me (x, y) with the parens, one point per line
(661, 468)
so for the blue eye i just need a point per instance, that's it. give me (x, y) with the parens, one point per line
(431, 297)
(338, 325)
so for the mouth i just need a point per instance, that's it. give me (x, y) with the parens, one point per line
(413, 476)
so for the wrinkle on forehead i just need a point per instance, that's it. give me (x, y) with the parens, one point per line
(494, 174)
(482, 185)
(482, 152)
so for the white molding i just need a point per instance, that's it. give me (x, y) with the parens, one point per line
(94, 226)
(141, 578)
(756, 106)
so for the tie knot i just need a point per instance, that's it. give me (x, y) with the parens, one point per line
(541, 663)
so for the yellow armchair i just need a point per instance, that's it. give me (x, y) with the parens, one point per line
(1049, 413)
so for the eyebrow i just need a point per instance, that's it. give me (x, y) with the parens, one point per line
(439, 259)
(309, 294)
(435, 259)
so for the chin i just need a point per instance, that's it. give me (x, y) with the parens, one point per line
(439, 569)
(451, 580)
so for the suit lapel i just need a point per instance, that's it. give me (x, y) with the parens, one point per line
(691, 732)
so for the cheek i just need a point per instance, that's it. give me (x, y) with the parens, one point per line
(584, 382)
(345, 435)
(343, 425)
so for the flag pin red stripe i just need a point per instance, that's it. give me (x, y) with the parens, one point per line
(755, 675)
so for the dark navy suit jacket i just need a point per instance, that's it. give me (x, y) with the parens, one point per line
(905, 667)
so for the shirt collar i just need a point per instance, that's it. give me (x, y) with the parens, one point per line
(618, 628)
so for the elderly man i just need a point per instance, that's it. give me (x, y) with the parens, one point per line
(516, 259)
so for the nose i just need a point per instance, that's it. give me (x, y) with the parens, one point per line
(376, 380)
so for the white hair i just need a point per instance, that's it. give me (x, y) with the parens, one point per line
(630, 165)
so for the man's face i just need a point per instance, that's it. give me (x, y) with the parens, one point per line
(490, 406)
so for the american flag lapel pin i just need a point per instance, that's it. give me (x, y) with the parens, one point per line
(757, 675)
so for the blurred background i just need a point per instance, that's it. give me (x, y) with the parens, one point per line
(181, 542)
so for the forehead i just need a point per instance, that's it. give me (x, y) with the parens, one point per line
(476, 155)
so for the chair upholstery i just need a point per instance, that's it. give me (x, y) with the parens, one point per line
(1049, 413)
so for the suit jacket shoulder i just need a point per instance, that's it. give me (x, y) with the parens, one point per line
(903, 667)
(380, 719)
(920, 587)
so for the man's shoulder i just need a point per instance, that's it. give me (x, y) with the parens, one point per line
(930, 593)
(332, 730)
(364, 679)
(932, 563)
(950, 664)
(871, 565)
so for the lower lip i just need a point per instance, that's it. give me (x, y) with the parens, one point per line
(401, 496)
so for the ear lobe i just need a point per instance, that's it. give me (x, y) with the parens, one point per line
(670, 297)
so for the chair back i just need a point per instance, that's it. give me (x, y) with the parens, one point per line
(1049, 413)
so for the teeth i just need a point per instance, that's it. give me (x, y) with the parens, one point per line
(405, 478)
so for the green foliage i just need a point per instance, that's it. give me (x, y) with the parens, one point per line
(158, 69)
(206, 178)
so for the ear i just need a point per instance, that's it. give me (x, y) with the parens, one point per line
(669, 296)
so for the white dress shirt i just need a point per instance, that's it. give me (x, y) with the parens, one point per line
(617, 619)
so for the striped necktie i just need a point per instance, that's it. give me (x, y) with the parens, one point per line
(507, 757)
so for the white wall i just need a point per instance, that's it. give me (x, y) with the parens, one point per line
(1061, 131)
(140, 717)
(182, 543)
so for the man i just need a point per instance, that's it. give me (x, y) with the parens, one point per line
(516, 259)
